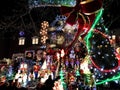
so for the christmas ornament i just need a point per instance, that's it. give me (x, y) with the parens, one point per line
(101, 56)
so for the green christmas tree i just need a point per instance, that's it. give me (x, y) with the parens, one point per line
(62, 78)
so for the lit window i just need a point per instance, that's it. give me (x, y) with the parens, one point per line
(35, 40)
(21, 41)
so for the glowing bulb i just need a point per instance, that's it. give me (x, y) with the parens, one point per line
(99, 53)
(106, 83)
(105, 73)
(101, 69)
(116, 81)
(113, 70)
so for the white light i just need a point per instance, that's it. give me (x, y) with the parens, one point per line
(106, 83)
(119, 68)
(113, 64)
(97, 80)
(21, 40)
(116, 81)
(95, 73)
(99, 53)
(105, 73)
(102, 42)
(94, 55)
(113, 70)
(93, 76)
(113, 37)
(102, 56)
(91, 67)
(101, 69)
(35, 40)
(95, 69)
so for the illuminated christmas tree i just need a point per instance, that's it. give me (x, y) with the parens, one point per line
(102, 53)
(62, 78)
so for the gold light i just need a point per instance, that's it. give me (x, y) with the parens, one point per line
(43, 31)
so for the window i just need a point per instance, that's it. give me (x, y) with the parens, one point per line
(35, 40)
(21, 41)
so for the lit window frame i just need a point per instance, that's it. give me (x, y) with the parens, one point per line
(21, 41)
(35, 40)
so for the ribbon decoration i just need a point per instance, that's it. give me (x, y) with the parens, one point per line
(83, 13)
(86, 8)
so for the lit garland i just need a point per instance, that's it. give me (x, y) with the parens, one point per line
(52, 3)
(90, 33)
(116, 77)
(105, 36)
(109, 79)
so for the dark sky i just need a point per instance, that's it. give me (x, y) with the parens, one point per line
(11, 9)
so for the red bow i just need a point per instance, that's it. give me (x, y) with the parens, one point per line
(71, 12)
(83, 13)
(88, 7)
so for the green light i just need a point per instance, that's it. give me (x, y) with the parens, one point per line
(88, 36)
(62, 79)
(90, 33)
(106, 30)
(77, 73)
(108, 80)
(97, 19)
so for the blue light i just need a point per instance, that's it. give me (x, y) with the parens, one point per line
(21, 33)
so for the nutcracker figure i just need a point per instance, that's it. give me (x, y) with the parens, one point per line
(36, 69)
